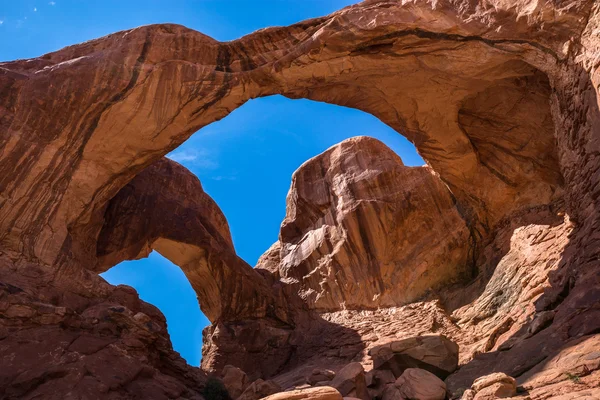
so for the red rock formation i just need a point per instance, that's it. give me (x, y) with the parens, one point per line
(165, 208)
(172, 81)
(363, 231)
(500, 97)
(75, 335)
(417, 384)
(320, 393)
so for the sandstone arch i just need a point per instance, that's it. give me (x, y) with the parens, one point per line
(500, 98)
(135, 95)
(164, 208)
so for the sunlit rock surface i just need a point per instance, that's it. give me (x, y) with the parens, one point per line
(363, 231)
(165, 208)
(499, 97)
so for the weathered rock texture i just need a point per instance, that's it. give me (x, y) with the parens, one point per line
(435, 353)
(84, 339)
(135, 95)
(496, 385)
(501, 98)
(419, 384)
(165, 208)
(320, 393)
(363, 231)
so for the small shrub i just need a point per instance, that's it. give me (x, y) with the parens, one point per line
(573, 378)
(215, 390)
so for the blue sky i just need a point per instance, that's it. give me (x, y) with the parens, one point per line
(244, 161)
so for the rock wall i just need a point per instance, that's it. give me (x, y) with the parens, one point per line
(74, 336)
(500, 98)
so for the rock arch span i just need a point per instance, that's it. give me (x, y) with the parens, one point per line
(164, 208)
(500, 98)
(135, 95)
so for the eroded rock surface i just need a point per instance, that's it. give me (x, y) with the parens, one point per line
(500, 98)
(435, 353)
(363, 231)
(494, 386)
(80, 337)
(320, 393)
(260, 389)
(419, 384)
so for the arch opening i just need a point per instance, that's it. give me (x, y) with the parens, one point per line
(163, 284)
(229, 156)
(254, 151)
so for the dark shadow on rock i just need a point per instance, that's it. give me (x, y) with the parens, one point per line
(562, 339)
(264, 348)
(492, 250)
(79, 336)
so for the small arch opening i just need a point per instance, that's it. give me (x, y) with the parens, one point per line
(160, 282)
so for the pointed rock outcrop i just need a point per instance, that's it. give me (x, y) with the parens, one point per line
(364, 231)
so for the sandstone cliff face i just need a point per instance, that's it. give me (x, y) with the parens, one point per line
(500, 97)
(77, 337)
(363, 231)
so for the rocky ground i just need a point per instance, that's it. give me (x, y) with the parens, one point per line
(475, 276)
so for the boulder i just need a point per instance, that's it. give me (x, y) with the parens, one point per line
(259, 389)
(494, 386)
(235, 380)
(434, 353)
(488, 380)
(498, 390)
(317, 393)
(418, 384)
(350, 381)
